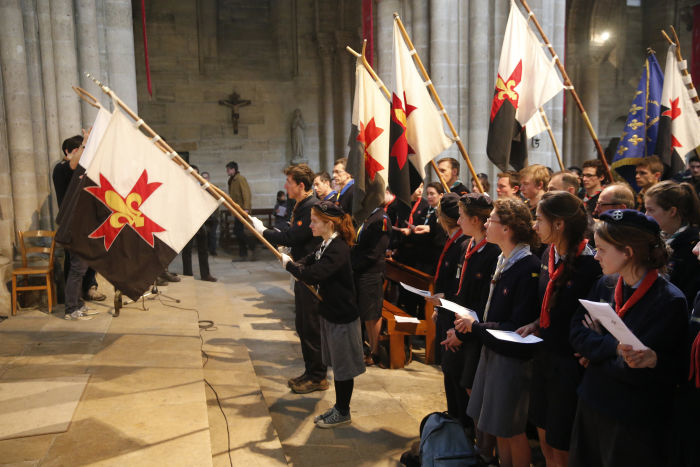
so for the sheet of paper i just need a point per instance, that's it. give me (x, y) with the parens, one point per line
(605, 315)
(422, 293)
(406, 319)
(458, 309)
(511, 336)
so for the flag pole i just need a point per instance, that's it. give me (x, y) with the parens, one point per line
(381, 85)
(568, 85)
(551, 136)
(684, 71)
(434, 93)
(213, 190)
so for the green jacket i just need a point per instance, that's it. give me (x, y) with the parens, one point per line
(239, 191)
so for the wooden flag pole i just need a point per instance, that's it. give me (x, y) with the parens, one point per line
(434, 93)
(684, 72)
(388, 96)
(568, 85)
(551, 136)
(213, 190)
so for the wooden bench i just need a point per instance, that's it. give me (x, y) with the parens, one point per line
(397, 332)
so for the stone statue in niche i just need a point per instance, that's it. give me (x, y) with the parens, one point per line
(297, 128)
(235, 102)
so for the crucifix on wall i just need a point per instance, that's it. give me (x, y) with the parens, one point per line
(235, 102)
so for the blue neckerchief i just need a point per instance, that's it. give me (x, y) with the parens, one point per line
(347, 185)
(330, 195)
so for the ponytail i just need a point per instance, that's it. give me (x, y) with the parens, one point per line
(668, 194)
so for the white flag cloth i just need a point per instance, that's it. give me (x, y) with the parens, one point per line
(96, 133)
(178, 205)
(677, 105)
(425, 133)
(535, 125)
(525, 75)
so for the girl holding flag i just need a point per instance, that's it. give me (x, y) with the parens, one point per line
(625, 396)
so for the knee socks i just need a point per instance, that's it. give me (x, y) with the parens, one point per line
(343, 394)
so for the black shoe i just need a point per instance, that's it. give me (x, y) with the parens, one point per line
(160, 281)
(170, 276)
(209, 278)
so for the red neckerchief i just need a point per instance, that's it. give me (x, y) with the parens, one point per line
(471, 249)
(648, 281)
(554, 273)
(415, 206)
(442, 255)
(586, 197)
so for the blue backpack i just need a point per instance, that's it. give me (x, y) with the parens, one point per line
(443, 442)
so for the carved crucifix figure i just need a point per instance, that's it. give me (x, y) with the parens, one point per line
(235, 102)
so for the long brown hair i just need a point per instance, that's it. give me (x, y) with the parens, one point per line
(516, 216)
(682, 196)
(342, 225)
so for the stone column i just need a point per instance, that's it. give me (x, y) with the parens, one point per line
(480, 84)
(420, 31)
(66, 68)
(119, 34)
(6, 208)
(344, 112)
(88, 53)
(327, 153)
(588, 89)
(36, 97)
(18, 114)
(383, 39)
(49, 82)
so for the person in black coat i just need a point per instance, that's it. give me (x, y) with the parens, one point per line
(345, 185)
(477, 262)
(368, 266)
(626, 395)
(429, 237)
(567, 274)
(341, 334)
(500, 394)
(677, 210)
(302, 242)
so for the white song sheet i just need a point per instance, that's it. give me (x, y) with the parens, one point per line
(459, 309)
(511, 336)
(422, 293)
(605, 315)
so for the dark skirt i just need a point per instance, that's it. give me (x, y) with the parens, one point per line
(369, 295)
(553, 397)
(600, 440)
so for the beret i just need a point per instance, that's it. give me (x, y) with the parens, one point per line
(449, 205)
(631, 218)
(479, 200)
(329, 208)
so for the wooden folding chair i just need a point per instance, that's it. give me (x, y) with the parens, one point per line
(35, 270)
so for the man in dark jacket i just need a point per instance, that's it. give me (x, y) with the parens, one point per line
(239, 190)
(302, 242)
(344, 184)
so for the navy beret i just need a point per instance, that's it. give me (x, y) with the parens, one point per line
(631, 218)
(329, 208)
(449, 205)
(479, 200)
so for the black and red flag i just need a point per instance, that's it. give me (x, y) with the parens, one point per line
(134, 209)
(526, 81)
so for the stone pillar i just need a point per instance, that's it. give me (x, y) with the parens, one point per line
(88, 53)
(36, 97)
(49, 82)
(588, 89)
(344, 111)
(18, 113)
(327, 152)
(420, 30)
(119, 35)
(384, 40)
(66, 68)
(480, 85)
(6, 209)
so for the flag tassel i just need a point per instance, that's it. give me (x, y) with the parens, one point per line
(568, 85)
(684, 72)
(551, 137)
(386, 92)
(434, 93)
(213, 190)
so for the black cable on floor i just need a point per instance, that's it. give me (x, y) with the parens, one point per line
(207, 325)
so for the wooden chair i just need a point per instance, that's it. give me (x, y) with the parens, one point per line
(35, 270)
(397, 272)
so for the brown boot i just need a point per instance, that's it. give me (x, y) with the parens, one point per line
(296, 380)
(307, 385)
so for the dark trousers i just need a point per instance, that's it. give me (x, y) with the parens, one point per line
(88, 279)
(74, 293)
(600, 440)
(202, 254)
(456, 395)
(308, 327)
(211, 235)
(245, 242)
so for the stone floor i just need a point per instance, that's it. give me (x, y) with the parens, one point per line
(146, 402)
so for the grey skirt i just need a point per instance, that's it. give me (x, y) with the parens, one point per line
(341, 348)
(501, 394)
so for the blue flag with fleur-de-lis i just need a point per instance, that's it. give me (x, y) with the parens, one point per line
(638, 139)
